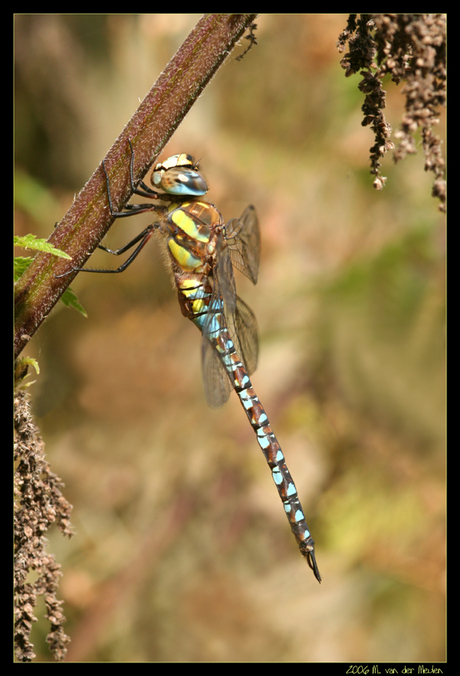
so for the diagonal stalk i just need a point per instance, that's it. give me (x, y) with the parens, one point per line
(152, 125)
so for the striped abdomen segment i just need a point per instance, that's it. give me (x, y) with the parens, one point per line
(220, 339)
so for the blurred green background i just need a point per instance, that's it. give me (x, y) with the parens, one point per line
(182, 551)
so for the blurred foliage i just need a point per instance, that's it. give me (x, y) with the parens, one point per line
(182, 551)
(395, 298)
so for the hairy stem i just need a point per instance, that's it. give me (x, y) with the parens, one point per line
(152, 125)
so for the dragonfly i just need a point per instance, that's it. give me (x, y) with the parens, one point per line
(203, 252)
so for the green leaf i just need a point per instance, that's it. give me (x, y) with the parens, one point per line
(70, 300)
(21, 370)
(20, 266)
(32, 242)
(68, 297)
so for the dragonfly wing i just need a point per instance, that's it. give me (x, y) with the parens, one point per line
(243, 237)
(239, 318)
(242, 327)
(226, 309)
(217, 385)
(224, 279)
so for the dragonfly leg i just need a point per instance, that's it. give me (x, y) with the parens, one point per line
(142, 237)
(131, 209)
(146, 191)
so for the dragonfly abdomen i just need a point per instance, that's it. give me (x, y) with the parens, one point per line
(194, 294)
(267, 440)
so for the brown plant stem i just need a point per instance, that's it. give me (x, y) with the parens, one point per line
(152, 125)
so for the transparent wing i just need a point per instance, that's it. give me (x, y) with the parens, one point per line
(217, 384)
(243, 237)
(242, 326)
(224, 279)
(226, 308)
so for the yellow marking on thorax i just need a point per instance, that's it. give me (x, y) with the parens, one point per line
(188, 225)
(185, 259)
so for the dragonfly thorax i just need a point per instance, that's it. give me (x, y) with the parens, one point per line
(192, 230)
(179, 176)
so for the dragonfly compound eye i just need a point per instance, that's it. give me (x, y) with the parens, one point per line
(178, 176)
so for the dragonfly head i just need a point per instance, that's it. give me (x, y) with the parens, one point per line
(179, 176)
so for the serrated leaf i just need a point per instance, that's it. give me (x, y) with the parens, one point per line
(21, 264)
(30, 241)
(68, 297)
(70, 300)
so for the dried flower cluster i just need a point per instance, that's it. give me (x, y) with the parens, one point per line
(38, 504)
(411, 48)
